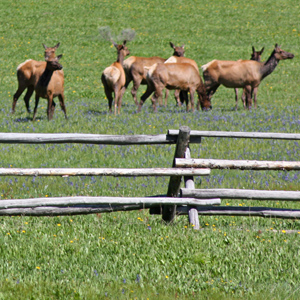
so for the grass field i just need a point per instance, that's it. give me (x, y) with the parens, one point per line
(133, 255)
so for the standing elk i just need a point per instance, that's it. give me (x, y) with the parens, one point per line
(114, 79)
(134, 69)
(26, 76)
(49, 83)
(255, 55)
(172, 76)
(180, 59)
(246, 74)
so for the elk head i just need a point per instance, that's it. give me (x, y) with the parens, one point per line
(256, 55)
(53, 63)
(178, 51)
(50, 51)
(122, 49)
(281, 54)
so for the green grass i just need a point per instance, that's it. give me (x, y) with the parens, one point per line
(132, 255)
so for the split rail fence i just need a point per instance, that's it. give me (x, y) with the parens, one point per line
(186, 200)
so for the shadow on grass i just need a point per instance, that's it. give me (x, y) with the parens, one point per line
(23, 120)
(95, 112)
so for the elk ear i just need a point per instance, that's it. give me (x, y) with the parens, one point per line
(124, 43)
(262, 50)
(57, 46)
(253, 49)
(45, 47)
(172, 45)
(115, 44)
(276, 45)
(59, 56)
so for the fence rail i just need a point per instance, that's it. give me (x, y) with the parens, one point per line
(246, 135)
(237, 164)
(103, 172)
(241, 194)
(87, 205)
(82, 138)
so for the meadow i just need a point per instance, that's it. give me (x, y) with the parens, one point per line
(133, 255)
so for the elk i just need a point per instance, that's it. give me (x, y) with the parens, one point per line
(114, 79)
(180, 59)
(26, 76)
(134, 69)
(181, 76)
(255, 55)
(49, 83)
(246, 74)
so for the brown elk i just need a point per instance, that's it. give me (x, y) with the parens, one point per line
(246, 74)
(114, 79)
(255, 55)
(49, 83)
(26, 76)
(134, 69)
(180, 59)
(172, 76)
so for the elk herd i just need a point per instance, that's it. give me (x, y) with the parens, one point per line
(179, 73)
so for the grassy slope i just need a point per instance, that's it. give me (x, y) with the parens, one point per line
(88, 256)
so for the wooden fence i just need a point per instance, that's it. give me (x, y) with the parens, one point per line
(186, 200)
(84, 205)
(242, 165)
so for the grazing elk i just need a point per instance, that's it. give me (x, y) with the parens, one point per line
(114, 79)
(26, 76)
(246, 74)
(49, 83)
(134, 69)
(255, 55)
(183, 77)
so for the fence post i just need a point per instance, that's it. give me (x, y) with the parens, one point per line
(169, 211)
(190, 184)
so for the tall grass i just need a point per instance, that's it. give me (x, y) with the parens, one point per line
(133, 255)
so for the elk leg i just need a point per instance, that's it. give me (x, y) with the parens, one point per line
(177, 97)
(109, 97)
(61, 98)
(192, 92)
(183, 96)
(255, 99)
(121, 93)
(248, 96)
(211, 90)
(157, 95)
(236, 91)
(28, 94)
(244, 98)
(17, 94)
(145, 96)
(108, 93)
(136, 84)
(166, 97)
(51, 108)
(37, 99)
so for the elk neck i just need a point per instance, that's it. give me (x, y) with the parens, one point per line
(45, 77)
(269, 66)
(120, 58)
